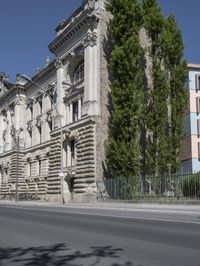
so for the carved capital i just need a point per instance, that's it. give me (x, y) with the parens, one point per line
(12, 131)
(11, 109)
(39, 96)
(30, 102)
(91, 4)
(29, 126)
(90, 39)
(59, 64)
(50, 117)
(38, 123)
(19, 101)
(51, 89)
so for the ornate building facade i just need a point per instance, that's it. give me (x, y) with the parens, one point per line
(76, 83)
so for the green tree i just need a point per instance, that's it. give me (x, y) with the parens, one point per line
(172, 51)
(167, 96)
(127, 89)
(146, 124)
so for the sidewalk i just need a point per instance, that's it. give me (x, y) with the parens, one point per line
(109, 206)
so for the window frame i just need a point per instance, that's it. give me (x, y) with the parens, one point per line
(78, 73)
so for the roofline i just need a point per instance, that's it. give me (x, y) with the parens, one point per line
(64, 23)
(191, 65)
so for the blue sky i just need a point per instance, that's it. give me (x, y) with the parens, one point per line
(27, 27)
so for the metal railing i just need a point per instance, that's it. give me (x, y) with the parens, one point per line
(174, 186)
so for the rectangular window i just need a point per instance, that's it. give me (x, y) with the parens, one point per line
(197, 80)
(52, 99)
(40, 103)
(72, 151)
(75, 111)
(198, 104)
(40, 133)
(198, 128)
(40, 167)
(199, 151)
(31, 111)
(51, 126)
(30, 135)
(30, 168)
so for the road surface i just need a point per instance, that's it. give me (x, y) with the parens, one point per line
(55, 236)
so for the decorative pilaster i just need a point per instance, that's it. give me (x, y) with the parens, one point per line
(67, 114)
(70, 113)
(79, 108)
(91, 80)
(60, 91)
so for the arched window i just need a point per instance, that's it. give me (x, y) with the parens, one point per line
(78, 74)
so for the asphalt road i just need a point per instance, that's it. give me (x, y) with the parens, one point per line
(46, 236)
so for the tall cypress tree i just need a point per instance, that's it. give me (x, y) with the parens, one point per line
(123, 145)
(172, 50)
(156, 113)
(167, 96)
(157, 116)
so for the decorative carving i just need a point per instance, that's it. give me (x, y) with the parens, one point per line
(39, 122)
(91, 4)
(47, 151)
(19, 101)
(30, 102)
(78, 51)
(11, 109)
(90, 39)
(51, 89)
(39, 96)
(29, 126)
(12, 131)
(38, 155)
(50, 117)
(4, 134)
(59, 64)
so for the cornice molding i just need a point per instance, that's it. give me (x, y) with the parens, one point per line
(87, 18)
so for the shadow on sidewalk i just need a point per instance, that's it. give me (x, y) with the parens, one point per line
(60, 255)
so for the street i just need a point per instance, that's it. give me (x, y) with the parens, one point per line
(50, 235)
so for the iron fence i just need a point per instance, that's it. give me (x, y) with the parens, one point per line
(174, 186)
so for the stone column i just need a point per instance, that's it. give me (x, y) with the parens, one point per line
(79, 108)
(45, 131)
(19, 106)
(90, 76)
(70, 113)
(68, 154)
(67, 114)
(16, 115)
(60, 90)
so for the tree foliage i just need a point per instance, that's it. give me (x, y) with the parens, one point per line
(123, 149)
(156, 110)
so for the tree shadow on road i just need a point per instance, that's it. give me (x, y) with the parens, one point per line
(60, 255)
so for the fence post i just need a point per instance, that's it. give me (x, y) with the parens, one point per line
(177, 186)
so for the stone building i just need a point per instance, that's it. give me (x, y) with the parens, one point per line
(76, 82)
